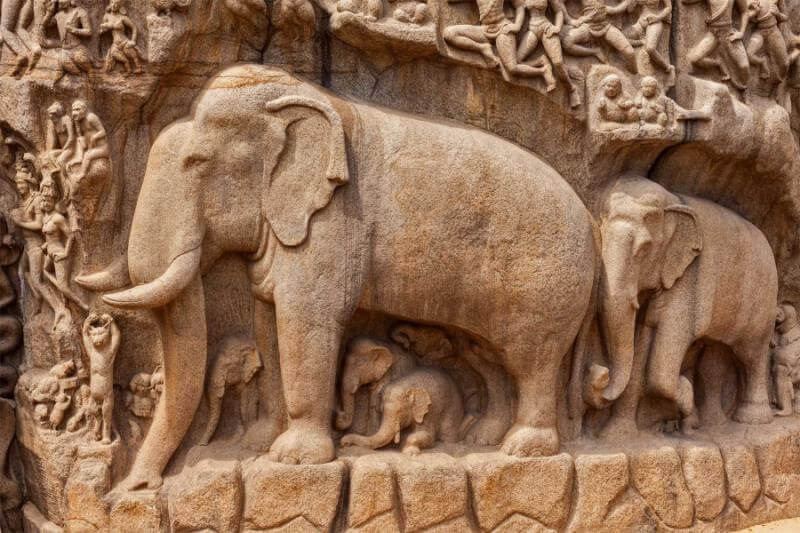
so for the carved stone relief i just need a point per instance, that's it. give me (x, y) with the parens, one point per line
(330, 265)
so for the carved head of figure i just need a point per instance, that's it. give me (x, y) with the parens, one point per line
(99, 329)
(79, 110)
(786, 318)
(55, 111)
(140, 384)
(612, 86)
(649, 87)
(24, 176)
(48, 192)
(117, 6)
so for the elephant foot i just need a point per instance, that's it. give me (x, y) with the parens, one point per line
(526, 441)
(303, 444)
(140, 480)
(690, 423)
(488, 430)
(784, 412)
(619, 429)
(753, 413)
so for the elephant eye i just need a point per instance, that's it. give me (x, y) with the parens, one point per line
(194, 161)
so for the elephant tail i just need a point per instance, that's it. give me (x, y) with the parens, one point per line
(575, 403)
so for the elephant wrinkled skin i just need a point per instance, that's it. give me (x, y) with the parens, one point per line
(339, 207)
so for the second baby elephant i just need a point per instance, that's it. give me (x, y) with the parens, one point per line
(425, 400)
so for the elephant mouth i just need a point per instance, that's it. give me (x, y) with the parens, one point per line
(164, 288)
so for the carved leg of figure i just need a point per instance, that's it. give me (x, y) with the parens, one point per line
(620, 43)
(776, 51)
(471, 38)
(214, 410)
(754, 407)
(700, 55)
(735, 58)
(552, 48)
(783, 390)
(534, 431)
(754, 46)
(652, 39)
(183, 335)
(575, 42)
(506, 44)
(61, 281)
(108, 410)
(133, 55)
(309, 354)
(622, 424)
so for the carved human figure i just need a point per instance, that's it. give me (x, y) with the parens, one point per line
(425, 400)
(786, 360)
(297, 262)
(721, 37)
(767, 15)
(74, 27)
(82, 409)
(60, 134)
(654, 107)
(541, 30)
(101, 339)
(58, 245)
(29, 216)
(235, 366)
(495, 28)
(615, 106)
(90, 138)
(595, 23)
(294, 19)
(140, 400)
(34, 18)
(9, 22)
(649, 27)
(671, 257)
(123, 46)
(50, 395)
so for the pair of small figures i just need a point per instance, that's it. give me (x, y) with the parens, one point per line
(650, 106)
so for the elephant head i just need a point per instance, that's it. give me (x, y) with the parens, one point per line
(260, 153)
(648, 242)
(367, 361)
(402, 407)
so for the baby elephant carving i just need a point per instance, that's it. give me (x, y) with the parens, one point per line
(425, 401)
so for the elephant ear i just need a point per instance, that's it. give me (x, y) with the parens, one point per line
(685, 243)
(380, 358)
(420, 403)
(306, 160)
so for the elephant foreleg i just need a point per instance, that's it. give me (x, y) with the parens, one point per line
(183, 336)
(309, 350)
(664, 367)
(622, 424)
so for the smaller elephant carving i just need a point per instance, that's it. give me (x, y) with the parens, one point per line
(236, 364)
(786, 360)
(426, 402)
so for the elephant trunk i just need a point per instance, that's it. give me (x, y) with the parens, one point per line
(389, 430)
(344, 418)
(619, 305)
(113, 277)
(163, 289)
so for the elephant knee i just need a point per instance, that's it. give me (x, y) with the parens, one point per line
(660, 384)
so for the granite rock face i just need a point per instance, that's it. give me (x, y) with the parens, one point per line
(399, 265)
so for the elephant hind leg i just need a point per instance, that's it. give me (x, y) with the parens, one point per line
(534, 431)
(754, 407)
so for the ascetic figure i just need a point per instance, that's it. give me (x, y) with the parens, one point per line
(60, 134)
(90, 138)
(101, 339)
(786, 360)
(236, 364)
(123, 47)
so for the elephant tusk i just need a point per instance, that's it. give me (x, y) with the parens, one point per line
(163, 289)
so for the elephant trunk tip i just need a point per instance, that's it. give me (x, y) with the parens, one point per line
(113, 277)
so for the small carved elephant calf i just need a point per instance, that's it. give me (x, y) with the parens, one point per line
(426, 400)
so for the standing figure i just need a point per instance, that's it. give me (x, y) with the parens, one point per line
(722, 38)
(786, 360)
(36, 15)
(9, 21)
(767, 15)
(594, 24)
(649, 27)
(495, 28)
(74, 26)
(29, 216)
(59, 240)
(237, 362)
(101, 339)
(540, 29)
(123, 48)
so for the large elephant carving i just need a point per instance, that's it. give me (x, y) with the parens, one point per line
(679, 273)
(343, 206)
